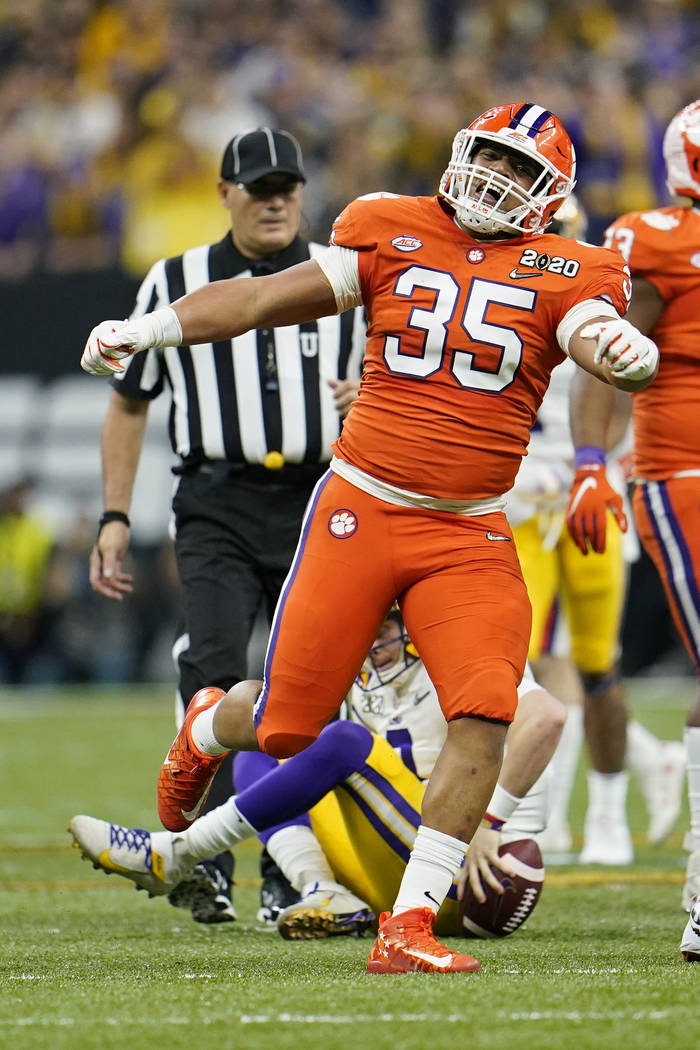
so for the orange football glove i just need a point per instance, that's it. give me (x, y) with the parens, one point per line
(590, 499)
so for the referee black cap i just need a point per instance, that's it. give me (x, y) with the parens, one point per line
(264, 151)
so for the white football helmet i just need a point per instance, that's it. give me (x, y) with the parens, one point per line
(682, 152)
(478, 193)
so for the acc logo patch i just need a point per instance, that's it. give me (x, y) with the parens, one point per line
(476, 256)
(342, 523)
(407, 244)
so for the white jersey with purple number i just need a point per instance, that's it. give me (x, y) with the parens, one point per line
(407, 713)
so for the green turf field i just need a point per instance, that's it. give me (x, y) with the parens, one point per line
(87, 962)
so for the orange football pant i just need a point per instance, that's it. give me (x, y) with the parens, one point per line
(461, 593)
(667, 516)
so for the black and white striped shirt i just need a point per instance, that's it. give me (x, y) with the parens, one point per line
(264, 391)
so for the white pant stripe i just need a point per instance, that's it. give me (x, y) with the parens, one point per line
(674, 556)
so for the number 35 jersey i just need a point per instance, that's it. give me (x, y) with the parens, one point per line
(462, 338)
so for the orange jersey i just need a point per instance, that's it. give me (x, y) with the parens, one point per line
(461, 342)
(663, 247)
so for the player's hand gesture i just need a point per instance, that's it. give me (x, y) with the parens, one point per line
(592, 496)
(105, 349)
(111, 341)
(630, 354)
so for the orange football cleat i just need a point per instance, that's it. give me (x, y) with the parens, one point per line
(186, 774)
(406, 944)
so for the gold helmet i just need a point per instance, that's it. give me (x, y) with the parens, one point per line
(570, 220)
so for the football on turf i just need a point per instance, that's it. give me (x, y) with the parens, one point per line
(502, 914)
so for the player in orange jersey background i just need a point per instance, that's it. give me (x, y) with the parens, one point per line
(470, 305)
(662, 249)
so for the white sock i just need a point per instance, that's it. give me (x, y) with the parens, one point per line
(217, 831)
(607, 796)
(564, 764)
(298, 854)
(202, 733)
(432, 866)
(691, 738)
(642, 749)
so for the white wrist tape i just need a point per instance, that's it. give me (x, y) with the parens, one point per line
(161, 328)
(502, 804)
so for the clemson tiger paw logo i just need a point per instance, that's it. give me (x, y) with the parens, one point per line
(342, 523)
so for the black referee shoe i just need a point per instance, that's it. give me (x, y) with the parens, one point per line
(276, 894)
(206, 891)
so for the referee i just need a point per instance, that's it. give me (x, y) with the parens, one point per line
(252, 420)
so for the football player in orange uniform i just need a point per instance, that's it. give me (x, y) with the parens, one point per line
(470, 305)
(662, 249)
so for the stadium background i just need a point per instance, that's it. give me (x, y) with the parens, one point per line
(113, 117)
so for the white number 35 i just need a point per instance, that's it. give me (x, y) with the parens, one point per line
(433, 322)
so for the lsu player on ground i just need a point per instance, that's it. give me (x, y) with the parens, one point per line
(662, 250)
(577, 607)
(363, 781)
(470, 305)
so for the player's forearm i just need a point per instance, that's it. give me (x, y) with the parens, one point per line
(218, 311)
(622, 412)
(122, 438)
(591, 407)
(225, 309)
(532, 740)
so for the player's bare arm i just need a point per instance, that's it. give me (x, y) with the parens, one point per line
(532, 739)
(220, 310)
(593, 406)
(228, 308)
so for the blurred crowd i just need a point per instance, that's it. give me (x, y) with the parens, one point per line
(53, 628)
(114, 112)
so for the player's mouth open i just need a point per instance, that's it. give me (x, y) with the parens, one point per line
(486, 196)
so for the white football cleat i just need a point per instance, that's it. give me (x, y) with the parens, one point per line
(691, 889)
(329, 912)
(662, 788)
(148, 859)
(690, 944)
(606, 841)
